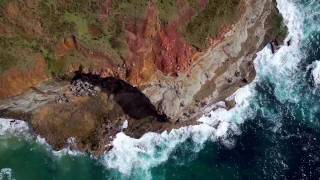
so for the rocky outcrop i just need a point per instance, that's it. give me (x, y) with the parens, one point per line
(225, 67)
(16, 81)
(135, 63)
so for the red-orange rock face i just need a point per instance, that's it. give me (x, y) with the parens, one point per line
(176, 53)
(15, 81)
(140, 37)
(130, 40)
(154, 46)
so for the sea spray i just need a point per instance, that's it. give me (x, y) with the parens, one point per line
(129, 154)
(6, 174)
(290, 76)
(282, 66)
(63, 152)
(152, 149)
(9, 127)
(18, 128)
(315, 71)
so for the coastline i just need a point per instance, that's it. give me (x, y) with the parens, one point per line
(275, 136)
(213, 69)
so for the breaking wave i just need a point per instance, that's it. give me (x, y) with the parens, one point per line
(130, 155)
(6, 173)
(18, 128)
(136, 157)
(151, 149)
(9, 127)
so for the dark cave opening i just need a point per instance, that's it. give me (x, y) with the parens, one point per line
(132, 101)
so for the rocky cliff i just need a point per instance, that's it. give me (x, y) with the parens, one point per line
(82, 68)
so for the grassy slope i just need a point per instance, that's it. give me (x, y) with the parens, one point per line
(208, 22)
(62, 18)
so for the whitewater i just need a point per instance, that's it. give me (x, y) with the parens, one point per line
(137, 158)
(153, 149)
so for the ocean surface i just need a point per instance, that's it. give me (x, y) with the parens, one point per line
(272, 133)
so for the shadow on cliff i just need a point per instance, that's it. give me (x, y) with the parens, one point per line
(132, 101)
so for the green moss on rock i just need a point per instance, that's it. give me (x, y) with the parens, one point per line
(278, 27)
(208, 22)
(7, 61)
(167, 10)
(135, 9)
(16, 52)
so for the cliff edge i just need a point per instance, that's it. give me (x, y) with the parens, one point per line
(90, 69)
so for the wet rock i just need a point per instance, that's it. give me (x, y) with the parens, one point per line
(274, 45)
(289, 42)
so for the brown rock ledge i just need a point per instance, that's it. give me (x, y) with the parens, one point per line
(159, 103)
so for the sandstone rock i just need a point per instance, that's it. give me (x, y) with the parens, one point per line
(146, 72)
(16, 81)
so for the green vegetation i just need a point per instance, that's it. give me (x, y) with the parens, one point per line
(135, 9)
(15, 52)
(7, 60)
(3, 2)
(80, 23)
(208, 22)
(278, 27)
(54, 66)
(167, 10)
(76, 17)
(62, 19)
(194, 4)
(53, 21)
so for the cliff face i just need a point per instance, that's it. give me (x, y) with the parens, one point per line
(159, 63)
(127, 39)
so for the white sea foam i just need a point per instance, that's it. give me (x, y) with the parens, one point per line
(281, 68)
(153, 149)
(63, 152)
(6, 174)
(124, 125)
(316, 72)
(68, 150)
(13, 127)
(312, 16)
(284, 62)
